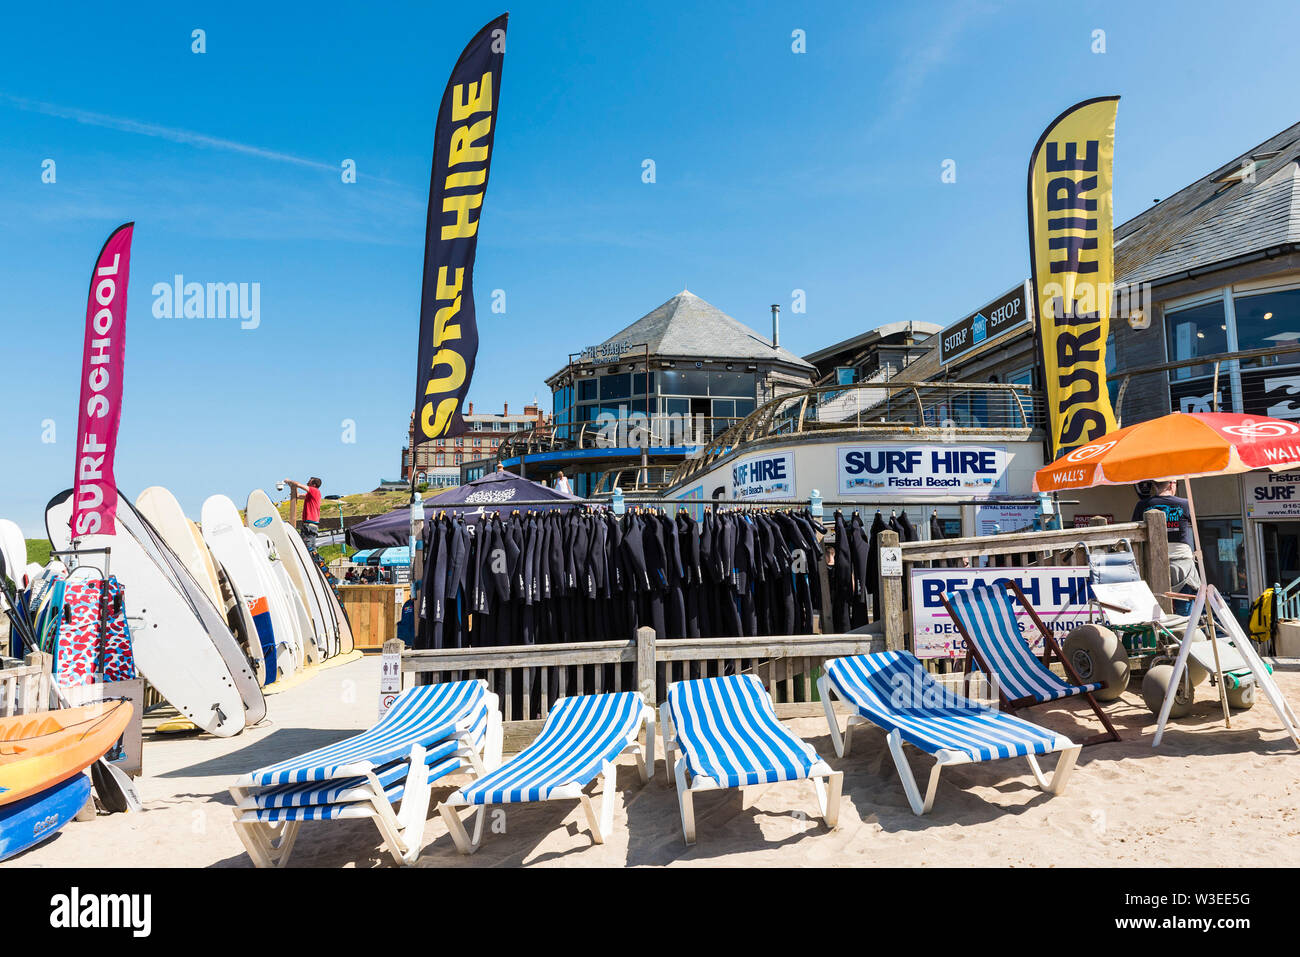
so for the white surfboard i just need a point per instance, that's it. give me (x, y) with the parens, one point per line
(224, 533)
(297, 607)
(263, 516)
(346, 642)
(280, 610)
(170, 642)
(164, 513)
(240, 617)
(14, 548)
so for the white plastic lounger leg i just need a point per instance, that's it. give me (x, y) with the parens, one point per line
(456, 827)
(685, 801)
(919, 806)
(838, 739)
(414, 814)
(494, 740)
(666, 729)
(829, 786)
(1064, 765)
(601, 822)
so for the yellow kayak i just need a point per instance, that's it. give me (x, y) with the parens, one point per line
(37, 751)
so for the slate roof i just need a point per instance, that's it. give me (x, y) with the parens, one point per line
(1216, 219)
(689, 327)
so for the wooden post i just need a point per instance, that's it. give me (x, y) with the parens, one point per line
(1157, 570)
(891, 597)
(38, 688)
(293, 506)
(1097, 521)
(645, 665)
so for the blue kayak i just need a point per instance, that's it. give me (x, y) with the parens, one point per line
(26, 823)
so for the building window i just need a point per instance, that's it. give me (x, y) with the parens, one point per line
(1266, 321)
(1197, 331)
(440, 459)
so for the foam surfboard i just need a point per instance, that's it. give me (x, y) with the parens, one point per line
(224, 534)
(212, 617)
(264, 517)
(324, 593)
(164, 513)
(209, 564)
(293, 599)
(346, 643)
(172, 647)
(14, 548)
(242, 622)
(286, 622)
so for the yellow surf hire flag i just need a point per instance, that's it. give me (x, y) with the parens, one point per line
(1072, 252)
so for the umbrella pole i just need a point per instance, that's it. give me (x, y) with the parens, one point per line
(1200, 605)
(1209, 617)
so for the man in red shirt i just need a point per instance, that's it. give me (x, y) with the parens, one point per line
(310, 509)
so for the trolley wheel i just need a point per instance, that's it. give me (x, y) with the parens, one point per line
(1241, 694)
(1097, 654)
(1155, 685)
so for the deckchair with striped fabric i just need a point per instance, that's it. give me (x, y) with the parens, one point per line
(892, 690)
(730, 737)
(582, 738)
(986, 618)
(434, 730)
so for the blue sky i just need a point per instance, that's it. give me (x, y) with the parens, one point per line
(775, 171)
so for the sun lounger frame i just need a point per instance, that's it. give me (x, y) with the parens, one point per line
(1050, 647)
(944, 757)
(827, 783)
(402, 830)
(600, 821)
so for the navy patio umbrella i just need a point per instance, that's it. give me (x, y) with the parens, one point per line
(499, 492)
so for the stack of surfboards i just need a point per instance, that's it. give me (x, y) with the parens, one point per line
(219, 612)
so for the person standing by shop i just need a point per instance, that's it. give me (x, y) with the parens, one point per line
(1163, 496)
(562, 484)
(310, 509)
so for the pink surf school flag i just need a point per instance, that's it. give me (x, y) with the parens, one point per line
(94, 500)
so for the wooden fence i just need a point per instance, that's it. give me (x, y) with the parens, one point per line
(25, 688)
(529, 678)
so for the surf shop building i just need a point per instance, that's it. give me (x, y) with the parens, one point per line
(628, 409)
(1209, 320)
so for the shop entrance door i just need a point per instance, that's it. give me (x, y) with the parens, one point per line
(1281, 552)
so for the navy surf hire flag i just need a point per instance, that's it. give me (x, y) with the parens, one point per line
(462, 155)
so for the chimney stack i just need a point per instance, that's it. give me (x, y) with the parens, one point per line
(471, 408)
(776, 325)
(505, 408)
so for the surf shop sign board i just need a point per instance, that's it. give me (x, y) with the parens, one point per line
(1009, 311)
(1059, 595)
(763, 476)
(968, 471)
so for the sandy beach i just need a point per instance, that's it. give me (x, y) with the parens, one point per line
(1207, 797)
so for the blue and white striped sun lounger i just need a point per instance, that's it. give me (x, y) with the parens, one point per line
(582, 738)
(986, 618)
(439, 729)
(893, 691)
(730, 737)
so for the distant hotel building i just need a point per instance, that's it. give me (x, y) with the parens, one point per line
(437, 463)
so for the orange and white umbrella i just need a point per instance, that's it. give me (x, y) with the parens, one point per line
(1185, 446)
(1176, 446)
